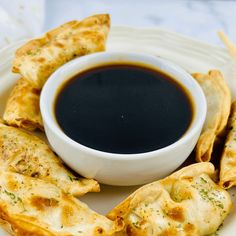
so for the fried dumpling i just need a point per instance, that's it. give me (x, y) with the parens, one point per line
(31, 206)
(26, 154)
(228, 159)
(22, 109)
(218, 99)
(39, 58)
(187, 202)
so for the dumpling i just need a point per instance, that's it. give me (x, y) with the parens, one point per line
(218, 99)
(22, 109)
(186, 203)
(228, 159)
(30, 206)
(26, 154)
(39, 58)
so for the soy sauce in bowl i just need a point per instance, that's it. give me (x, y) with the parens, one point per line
(124, 108)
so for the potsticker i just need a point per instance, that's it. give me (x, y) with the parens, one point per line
(218, 100)
(39, 58)
(228, 158)
(187, 202)
(22, 109)
(26, 154)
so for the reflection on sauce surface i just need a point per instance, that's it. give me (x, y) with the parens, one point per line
(123, 109)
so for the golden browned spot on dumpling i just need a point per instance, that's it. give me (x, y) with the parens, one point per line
(169, 232)
(99, 230)
(176, 213)
(68, 216)
(189, 229)
(12, 185)
(40, 202)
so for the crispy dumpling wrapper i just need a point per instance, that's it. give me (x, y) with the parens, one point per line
(39, 58)
(22, 109)
(26, 154)
(187, 202)
(31, 206)
(228, 158)
(218, 99)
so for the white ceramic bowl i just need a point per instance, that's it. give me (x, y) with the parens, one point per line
(120, 169)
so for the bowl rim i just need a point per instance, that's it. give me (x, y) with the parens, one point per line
(54, 126)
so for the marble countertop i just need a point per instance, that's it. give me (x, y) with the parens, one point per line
(197, 18)
(200, 19)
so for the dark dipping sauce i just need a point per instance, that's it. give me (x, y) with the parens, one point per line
(124, 109)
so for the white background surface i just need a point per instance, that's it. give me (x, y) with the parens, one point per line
(197, 18)
(200, 19)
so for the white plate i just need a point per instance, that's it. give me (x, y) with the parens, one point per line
(192, 55)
